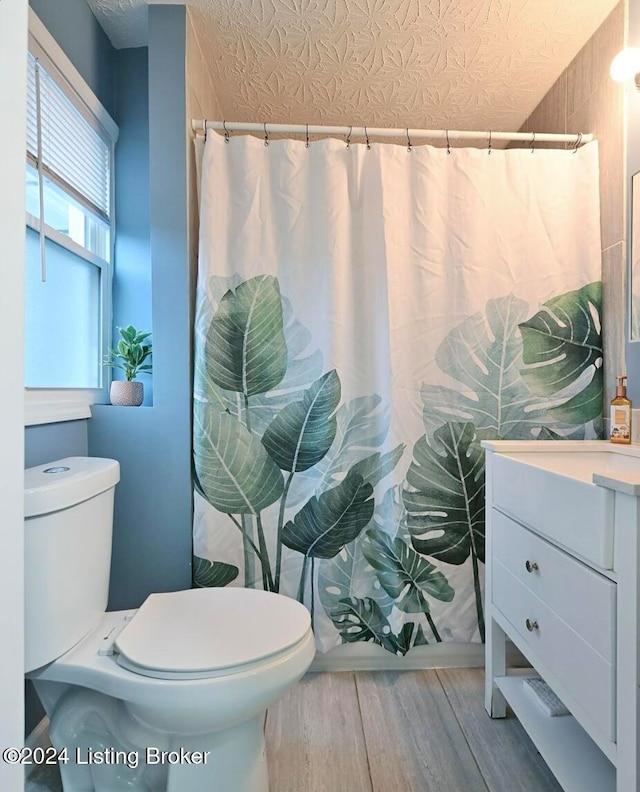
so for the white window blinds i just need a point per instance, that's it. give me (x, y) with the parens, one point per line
(74, 154)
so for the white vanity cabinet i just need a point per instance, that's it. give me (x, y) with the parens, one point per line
(563, 583)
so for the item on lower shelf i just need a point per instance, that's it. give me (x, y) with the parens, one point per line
(544, 696)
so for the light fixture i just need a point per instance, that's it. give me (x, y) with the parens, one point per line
(626, 65)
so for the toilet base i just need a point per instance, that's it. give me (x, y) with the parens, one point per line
(108, 750)
(236, 761)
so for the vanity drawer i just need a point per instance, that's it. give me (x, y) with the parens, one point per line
(582, 598)
(583, 673)
(571, 511)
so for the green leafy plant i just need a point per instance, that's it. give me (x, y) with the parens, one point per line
(130, 353)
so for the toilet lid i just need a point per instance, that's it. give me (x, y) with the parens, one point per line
(209, 629)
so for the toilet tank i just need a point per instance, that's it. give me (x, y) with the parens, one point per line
(68, 530)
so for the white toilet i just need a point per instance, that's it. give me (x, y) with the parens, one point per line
(171, 696)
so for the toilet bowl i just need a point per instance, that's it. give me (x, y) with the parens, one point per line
(170, 696)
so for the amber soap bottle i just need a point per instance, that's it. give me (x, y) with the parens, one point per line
(620, 414)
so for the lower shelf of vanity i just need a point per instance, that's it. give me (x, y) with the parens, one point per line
(570, 753)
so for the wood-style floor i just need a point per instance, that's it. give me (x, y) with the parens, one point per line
(409, 731)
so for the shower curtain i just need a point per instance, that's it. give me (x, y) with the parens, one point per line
(365, 318)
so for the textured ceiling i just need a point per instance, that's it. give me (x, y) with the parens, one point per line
(465, 64)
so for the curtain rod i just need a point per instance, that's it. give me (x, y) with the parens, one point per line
(576, 139)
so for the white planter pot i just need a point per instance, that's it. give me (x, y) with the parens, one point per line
(126, 394)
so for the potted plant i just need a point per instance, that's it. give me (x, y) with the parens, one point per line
(129, 356)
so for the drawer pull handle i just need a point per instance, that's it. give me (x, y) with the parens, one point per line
(531, 566)
(531, 625)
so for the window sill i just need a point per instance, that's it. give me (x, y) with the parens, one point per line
(56, 406)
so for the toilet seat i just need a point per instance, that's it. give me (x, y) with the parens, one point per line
(207, 632)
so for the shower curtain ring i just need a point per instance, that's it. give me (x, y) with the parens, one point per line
(306, 145)
(577, 143)
(226, 132)
(446, 133)
(366, 137)
(349, 137)
(489, 146)
(266, 134)
(533, 140)
(409, 146)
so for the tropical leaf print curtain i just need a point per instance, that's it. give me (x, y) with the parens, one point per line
(365, 317)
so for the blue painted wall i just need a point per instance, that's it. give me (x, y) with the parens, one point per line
(74, 27)
(153, 509)
(53, 441)
(132, 271)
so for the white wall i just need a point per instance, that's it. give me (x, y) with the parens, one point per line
(13, 53)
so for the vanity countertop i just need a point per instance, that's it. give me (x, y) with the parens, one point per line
(600, 462)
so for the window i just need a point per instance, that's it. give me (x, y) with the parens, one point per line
(69, 226)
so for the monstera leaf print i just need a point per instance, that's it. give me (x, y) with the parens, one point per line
(235, 473)
(362, 620)
(245, 350)
(299, 437)
(349, 574)
(304, 367)
(304, 360)
(390, 511)
(213, 574)
(563, 346)
(405, 575)
(420, 638)
(444, 500)
(363, 424)
(304, 363)
(204, 389)
(375, 467)
(548, 434)
(302, 432)
(484, 355)
(326, 523)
